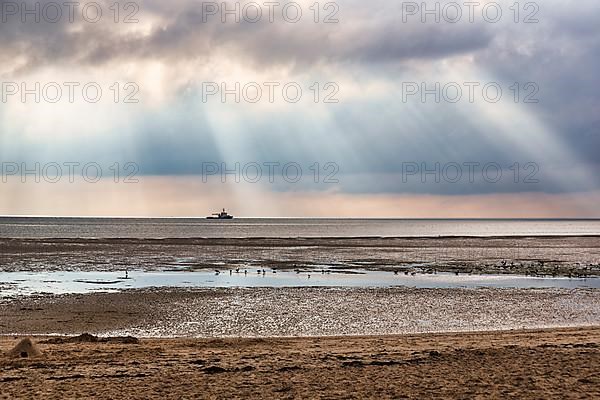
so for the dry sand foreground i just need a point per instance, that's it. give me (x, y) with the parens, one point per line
(560, 363)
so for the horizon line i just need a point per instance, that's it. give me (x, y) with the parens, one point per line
(322, 218)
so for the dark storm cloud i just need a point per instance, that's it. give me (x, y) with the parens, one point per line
(562, 55)
(183, 32)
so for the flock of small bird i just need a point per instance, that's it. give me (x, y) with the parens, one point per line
(259, 271)
(582, 271)
(298, 271)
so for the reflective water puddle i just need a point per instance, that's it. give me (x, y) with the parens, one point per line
(13, 283)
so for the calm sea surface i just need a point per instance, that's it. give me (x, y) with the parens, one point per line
(24, 227)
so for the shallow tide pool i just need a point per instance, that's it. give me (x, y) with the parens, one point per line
(26, 283)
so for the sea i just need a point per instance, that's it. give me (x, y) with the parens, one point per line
(158, 228)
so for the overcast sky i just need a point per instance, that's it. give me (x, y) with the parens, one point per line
(372, 143)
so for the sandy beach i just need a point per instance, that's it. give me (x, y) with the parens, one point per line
(549, 364)
(304, 343)
(309, 341)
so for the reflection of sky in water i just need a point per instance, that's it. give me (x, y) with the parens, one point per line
(12, 283)
(15, 227)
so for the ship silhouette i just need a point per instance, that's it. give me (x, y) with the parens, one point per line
(222, 215)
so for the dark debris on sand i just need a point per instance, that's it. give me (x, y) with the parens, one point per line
(89, 338)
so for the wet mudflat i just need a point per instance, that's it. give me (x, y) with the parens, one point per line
(533, 256)
(311, 311)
